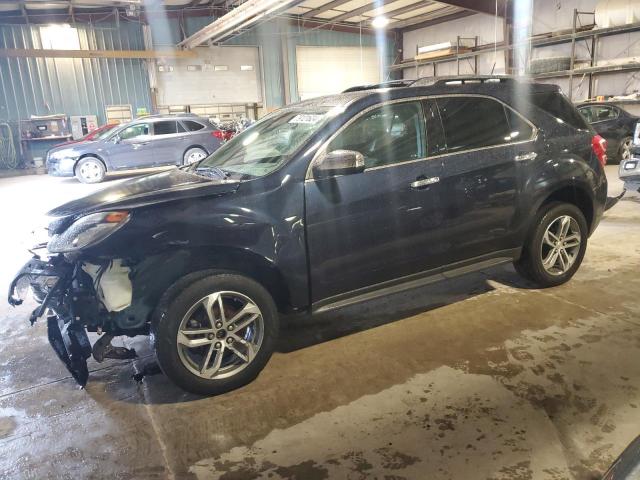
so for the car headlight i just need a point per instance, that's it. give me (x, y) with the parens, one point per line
(64, 154)
(88, 231)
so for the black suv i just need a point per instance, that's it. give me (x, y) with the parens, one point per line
(319, 205)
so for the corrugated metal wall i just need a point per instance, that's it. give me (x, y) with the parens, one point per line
(41, 86)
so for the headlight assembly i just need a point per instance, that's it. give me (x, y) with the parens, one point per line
(88, 231)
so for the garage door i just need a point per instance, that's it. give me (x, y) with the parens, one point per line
(328, 70)
(216, 75)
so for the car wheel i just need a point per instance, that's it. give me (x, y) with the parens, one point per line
(216, 334)
(193, 155)
(90, 170)
(556, 245)
(624, 152)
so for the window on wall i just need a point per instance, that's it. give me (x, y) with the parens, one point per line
(59, 37)
(476, 122)
(389, 134)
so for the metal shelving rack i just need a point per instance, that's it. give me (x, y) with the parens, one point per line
(555, 38)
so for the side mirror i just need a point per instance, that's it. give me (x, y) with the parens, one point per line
(339, 162)
(116, 139)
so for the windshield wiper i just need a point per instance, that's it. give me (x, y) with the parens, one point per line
(213, 172)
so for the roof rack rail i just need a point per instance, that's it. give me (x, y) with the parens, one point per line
(465, 79)
(375, 86)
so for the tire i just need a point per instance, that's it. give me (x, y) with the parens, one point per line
(624, 151)
(211, 365)
(537, 246)
(90, 170)
(193, 154)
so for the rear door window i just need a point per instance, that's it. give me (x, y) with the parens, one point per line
(603, 113)
(166, 127)
(474, 122)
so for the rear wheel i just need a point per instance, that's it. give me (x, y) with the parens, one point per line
(556, 245)
(90, 170)
(217, 334)
(193, 155)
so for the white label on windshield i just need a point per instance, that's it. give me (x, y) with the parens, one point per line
(307, 118)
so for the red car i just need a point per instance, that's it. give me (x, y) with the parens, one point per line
(93, 134)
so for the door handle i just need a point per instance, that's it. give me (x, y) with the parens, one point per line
(138, 145)
(425, 182)
(526, 156)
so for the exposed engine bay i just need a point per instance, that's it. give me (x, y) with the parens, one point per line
(79, 297)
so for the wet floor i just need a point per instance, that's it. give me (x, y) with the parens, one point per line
(482, 377)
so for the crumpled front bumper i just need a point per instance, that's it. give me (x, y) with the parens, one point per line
(49, 280)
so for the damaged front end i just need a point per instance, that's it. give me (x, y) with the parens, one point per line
(77, 295)
(629, 170)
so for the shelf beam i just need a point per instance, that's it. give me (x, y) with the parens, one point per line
(46, 53)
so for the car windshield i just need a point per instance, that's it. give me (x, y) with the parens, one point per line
(265, 146)
(103, 134)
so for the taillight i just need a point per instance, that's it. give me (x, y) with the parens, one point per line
(219, 134)
(599, 146)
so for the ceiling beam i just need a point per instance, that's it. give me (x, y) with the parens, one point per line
(324, 8)
(428, 20)
(358, 11)
(244, 16)
(480, 6)
(407, 8)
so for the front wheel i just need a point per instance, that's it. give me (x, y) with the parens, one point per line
(217, 334)
(556, 245)
(90, 170)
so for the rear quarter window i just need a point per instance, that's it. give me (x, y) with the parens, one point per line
(192, 126)
(557, 105)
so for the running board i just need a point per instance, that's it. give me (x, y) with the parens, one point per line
(413, 281)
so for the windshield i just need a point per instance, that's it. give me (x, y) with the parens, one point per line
(108, 129)
(265, 146)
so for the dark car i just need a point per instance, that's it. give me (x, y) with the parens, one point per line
(615, 125)
(319, 205)
(152, 141)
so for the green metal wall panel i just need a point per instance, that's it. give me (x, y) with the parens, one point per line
(72, 86)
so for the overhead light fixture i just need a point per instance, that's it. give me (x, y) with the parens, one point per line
(380, 21)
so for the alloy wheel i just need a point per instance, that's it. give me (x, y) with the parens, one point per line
(560, 245)
(220, 335)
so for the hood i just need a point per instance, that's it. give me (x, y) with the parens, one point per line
(171, 185)
(73, 148)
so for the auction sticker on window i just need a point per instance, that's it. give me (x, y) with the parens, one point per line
(307, 118)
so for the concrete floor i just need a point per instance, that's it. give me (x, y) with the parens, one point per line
(482, 377)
